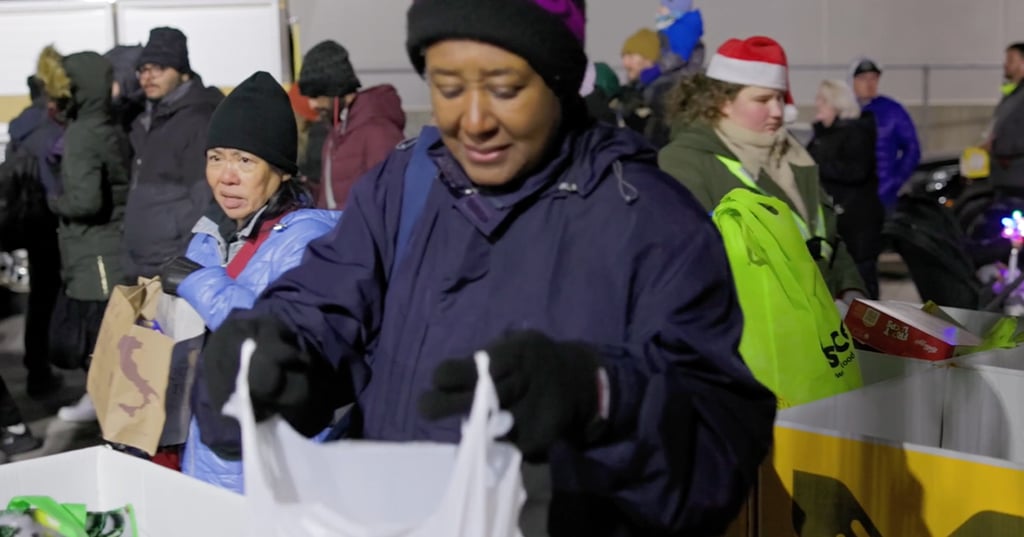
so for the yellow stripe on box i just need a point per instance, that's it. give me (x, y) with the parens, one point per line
(882, 490)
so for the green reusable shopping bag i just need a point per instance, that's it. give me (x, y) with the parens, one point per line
(72, 520)
(793, 339)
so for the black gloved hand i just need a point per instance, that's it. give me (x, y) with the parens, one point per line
(283, 378)
(175, 271)
(550, 388)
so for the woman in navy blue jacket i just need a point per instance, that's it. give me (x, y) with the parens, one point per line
(597, 284)
(258, 230)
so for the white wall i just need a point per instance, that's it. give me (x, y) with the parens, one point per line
(70, 27)
(814, 32)
(253, 31)
(373, 31)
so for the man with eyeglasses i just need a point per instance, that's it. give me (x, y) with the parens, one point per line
(168, 184)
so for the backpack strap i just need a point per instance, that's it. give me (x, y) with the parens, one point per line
(420, 174)
(249, 248)
(419, 177)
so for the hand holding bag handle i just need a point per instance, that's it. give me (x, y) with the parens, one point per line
(478, 499)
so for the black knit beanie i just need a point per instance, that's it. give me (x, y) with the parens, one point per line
(327, 72)
(548, 34)
(257, 118)
(167, 47)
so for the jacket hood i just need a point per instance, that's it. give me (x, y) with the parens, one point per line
(26, 123)
(379, 103)
(595, 150)
(579, 163)
(123, 59)
(92, 77)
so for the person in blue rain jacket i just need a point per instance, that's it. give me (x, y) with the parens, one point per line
(897, 151)
(597, 284)
(257, 229)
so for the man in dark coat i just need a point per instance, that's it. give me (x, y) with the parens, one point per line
(168, 181)
(28, 223)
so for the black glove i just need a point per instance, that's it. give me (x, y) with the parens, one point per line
(175, 271)
(283, 378)
(550, 388)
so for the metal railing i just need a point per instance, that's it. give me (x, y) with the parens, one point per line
(925, 70)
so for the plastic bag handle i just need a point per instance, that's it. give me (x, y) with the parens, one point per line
(486, 411)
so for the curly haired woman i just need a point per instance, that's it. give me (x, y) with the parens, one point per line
(728, 133)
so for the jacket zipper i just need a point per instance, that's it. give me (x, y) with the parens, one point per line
(332, 203)
(103, 276)
(328, 171)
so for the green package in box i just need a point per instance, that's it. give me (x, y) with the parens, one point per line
(41, 516)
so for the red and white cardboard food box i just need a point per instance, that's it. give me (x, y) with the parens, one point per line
(905, 330)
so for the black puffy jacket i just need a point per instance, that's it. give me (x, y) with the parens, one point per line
(845, 154)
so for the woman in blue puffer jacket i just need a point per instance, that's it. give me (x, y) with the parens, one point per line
(257, 230)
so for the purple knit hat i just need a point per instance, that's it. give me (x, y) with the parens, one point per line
(548, 34)
(571, 13)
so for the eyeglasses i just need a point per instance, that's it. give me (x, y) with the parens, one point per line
(150, 69)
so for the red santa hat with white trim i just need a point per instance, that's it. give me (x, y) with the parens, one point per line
(755, 61)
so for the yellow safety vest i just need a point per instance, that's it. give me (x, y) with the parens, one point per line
(736, 168)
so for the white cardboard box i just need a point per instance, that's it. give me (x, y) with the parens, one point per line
(167, 503)
(968, 409)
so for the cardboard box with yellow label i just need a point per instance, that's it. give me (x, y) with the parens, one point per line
(938, 452)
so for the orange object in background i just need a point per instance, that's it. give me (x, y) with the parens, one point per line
(301, 104)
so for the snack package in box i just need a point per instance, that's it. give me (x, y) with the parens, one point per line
(905, 330)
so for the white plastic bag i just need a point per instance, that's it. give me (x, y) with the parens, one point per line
(297, 488)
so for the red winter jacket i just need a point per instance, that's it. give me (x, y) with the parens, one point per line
(360, 139)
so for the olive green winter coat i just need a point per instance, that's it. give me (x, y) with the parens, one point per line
(691, 157)
(95, 183)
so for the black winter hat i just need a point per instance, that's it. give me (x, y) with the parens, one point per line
(167, 47)
(327, 72)
(124, 58)
(257, 118)
(548, 34)
(866, 65)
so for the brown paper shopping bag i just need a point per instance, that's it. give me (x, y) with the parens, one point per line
(130, 368)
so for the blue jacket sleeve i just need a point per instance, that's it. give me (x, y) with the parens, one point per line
(883, 154)
(214, 294)
(689, 423)
(204, 250)
(909, 148)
